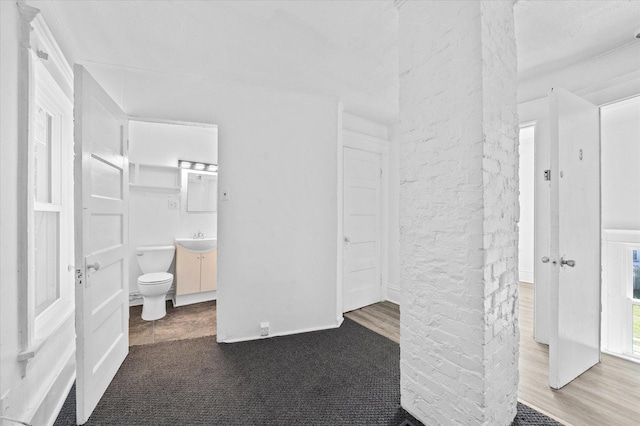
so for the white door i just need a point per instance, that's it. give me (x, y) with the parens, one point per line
(362, 208)
(101, 215)
(574, 255)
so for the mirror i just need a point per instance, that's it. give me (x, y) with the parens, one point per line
(202, 192)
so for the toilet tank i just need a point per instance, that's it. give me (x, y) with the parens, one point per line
(155, 258)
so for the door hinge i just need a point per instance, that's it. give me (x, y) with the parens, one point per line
(547, 175)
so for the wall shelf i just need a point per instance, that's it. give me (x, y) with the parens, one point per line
(155, 188)
(155, 178)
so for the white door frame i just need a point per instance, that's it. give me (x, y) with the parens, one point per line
(363, 142)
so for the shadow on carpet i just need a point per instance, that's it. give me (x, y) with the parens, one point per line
(345, 376)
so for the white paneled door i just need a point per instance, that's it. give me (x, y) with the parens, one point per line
(574, 237)
(362, 211)
(101, 215)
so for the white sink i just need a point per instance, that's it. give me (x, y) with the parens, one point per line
(197, 244)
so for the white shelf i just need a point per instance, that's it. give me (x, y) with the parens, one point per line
(155, 188)
(155, 178)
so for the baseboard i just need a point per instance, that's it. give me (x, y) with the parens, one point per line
(393, 294)
(630, 358)
(284, 333)
(49, 408)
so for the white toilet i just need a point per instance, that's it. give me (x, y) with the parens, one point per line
(156, 281)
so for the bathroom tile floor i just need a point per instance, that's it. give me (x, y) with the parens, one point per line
(185, 322)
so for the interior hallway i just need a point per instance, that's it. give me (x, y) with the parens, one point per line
(607, 394)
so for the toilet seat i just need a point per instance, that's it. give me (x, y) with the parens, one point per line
(155, 278)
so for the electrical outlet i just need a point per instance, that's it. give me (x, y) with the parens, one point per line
(173, 203)
(264, 329)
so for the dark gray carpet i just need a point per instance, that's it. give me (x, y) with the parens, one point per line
(347, 376)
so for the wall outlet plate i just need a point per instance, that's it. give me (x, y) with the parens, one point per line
(264, 329)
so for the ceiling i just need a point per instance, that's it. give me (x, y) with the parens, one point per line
(344, 50)
(552, 34)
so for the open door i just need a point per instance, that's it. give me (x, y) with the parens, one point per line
(574, 237)
(101, 221)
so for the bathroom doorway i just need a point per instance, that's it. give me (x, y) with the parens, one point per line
(173, 203)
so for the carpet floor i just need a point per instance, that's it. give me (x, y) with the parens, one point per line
(345, 376)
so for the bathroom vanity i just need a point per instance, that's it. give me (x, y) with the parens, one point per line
(196, 270)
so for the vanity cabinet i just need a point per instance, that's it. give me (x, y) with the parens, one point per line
(196, 272)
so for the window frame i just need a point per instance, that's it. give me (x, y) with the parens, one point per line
(40, 60)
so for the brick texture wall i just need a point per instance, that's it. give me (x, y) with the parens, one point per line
(458, 212)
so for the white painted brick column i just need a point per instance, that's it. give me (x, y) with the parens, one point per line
(458, 212)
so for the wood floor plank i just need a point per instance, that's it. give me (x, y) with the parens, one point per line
(607, 394)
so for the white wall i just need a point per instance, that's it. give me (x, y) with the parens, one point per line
(37, 396)
(277, 236)
(525, 226)
(9, 375)
(151, 221)
(620, 131)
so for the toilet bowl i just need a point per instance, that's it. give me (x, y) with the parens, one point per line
(155, 282)
(153, 288)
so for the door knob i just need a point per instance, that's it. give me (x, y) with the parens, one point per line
(545, 259)
(347, 239)
(570, 263)
(95, 266)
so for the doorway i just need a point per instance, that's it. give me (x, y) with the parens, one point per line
(363, 218)
(173, 183)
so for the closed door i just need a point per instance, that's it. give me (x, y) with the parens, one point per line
(568, 249)
(362, 279)
(101, 222)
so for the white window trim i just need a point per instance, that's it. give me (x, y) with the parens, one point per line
(38, 48)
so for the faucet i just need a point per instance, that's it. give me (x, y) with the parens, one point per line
(198, 234)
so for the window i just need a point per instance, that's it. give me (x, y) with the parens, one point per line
(50, 214)
(46, 211)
